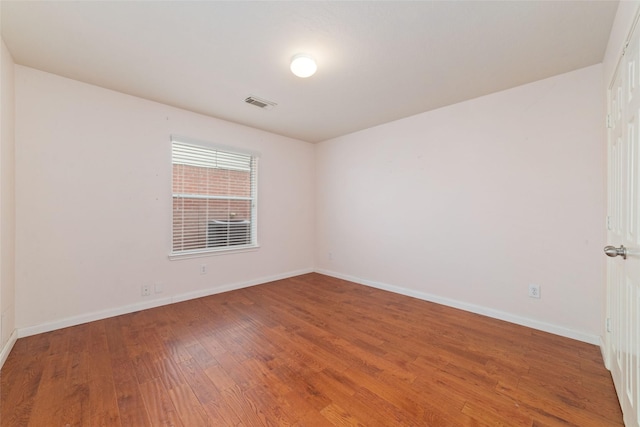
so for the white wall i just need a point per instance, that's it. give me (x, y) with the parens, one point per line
(469, 204)
(7, 204)
(93, 204)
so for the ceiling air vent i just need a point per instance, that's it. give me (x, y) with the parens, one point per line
(262, 103)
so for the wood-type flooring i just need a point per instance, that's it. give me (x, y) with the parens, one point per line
(306, 351)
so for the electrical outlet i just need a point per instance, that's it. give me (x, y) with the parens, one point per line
(158, 288)
(534, 291)
(330, 256)
(203, 269)
(146, 290)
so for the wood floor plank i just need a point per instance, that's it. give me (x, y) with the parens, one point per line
(270, 409)
(19, 381)
(131, 406)
(188, 407)
(159, 405)
(46, 410)
(247, 410)
(339, 417)
(312, 351)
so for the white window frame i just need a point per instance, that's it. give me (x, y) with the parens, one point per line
(207, 157)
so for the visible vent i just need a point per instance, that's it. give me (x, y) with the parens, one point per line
(262, 103)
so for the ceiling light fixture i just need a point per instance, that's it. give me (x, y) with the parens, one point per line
(303, 65)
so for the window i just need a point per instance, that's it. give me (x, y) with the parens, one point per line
(214, 199)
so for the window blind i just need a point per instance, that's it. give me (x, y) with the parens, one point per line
(214, 199)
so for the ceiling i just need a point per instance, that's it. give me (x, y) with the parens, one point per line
(378, 61)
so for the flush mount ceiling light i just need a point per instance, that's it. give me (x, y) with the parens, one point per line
(303, 65)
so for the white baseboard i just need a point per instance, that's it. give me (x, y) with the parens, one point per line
(103, 314)
(496, 314)
(117, 311)
(8, 346)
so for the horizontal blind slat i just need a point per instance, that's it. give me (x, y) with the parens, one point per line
(191, 155)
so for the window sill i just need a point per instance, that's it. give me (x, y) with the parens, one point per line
(213, 252)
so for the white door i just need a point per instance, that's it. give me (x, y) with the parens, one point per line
(623, 222)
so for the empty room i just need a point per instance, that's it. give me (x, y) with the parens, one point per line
(319, 213)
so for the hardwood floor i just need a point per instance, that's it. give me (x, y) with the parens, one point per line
(306, 351)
